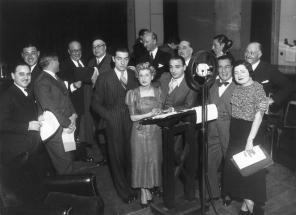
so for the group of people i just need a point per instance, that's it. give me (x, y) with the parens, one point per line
(115, 92)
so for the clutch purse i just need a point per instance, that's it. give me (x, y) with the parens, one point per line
(250, 164)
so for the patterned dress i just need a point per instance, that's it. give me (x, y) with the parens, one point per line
(246, 102)
(146, 141)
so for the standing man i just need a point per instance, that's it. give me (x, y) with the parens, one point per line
(52, 95)
(218, 130)
(30, 55)
(78, 78)
(109, 102)
(157, 58)
(185, 50)
(178, 96)
(277, 87)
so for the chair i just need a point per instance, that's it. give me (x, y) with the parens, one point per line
(55, 195)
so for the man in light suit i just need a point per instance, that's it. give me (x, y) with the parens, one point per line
(109, 102)
(52, 95)
(277, 87)
(218, 131)
(178, 96)
(157, 58)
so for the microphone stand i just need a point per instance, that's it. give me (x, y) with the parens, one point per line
(204, 151)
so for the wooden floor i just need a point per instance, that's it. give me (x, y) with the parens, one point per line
(281, 188)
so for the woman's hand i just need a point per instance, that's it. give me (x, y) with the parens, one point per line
(155, 111)
(249, 147)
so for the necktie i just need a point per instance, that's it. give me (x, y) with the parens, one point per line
(79, 64)
(225, 83)
(123, 80)
(27, 91)
(172, 85)
(98, 61)
(151, 57)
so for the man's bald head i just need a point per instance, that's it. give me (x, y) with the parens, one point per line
(74, 50)
(253, 52)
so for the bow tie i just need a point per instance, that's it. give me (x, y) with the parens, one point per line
(225, 83)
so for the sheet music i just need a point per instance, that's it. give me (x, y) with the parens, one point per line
(68, 140)
(212, 113)
(243, 159)
(49, 125)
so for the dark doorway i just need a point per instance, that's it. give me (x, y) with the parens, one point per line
(261, 23)
(53, 23)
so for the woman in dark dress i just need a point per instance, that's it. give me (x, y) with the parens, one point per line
(146, 141)
(221, 45)
(248, 106)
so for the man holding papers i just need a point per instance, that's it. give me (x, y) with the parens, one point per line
(248, 106)
(218, 130)
(52, 95)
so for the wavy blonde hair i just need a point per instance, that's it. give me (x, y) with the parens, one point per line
(143, 66)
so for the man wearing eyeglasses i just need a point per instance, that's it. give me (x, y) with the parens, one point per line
(30, 55)
(77, 77)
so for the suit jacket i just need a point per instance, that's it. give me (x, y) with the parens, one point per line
(70, 73)
(104, 66)
(181, 97)
(17, 110)
(274, 82)
(160, 62)
(109, 95)
(52, 95)
(34, 75)
(219, 129)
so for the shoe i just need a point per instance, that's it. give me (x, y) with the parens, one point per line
(227, 201)
(102, 162)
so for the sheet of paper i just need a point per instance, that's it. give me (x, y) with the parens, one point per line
(68, 140)
(49, 125)
(212, 113)
(243, 160)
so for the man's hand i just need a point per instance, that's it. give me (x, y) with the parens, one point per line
(73, 118)
(77, 84)
(34, 126)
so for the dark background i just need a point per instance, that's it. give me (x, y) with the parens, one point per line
(52, 24)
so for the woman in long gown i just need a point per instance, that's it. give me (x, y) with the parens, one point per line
(146, 142)
(248, 106)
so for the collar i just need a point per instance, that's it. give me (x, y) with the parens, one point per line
(75, 62)
(254, 66)
(101, 58)
(154, 52)
(179, 80)
(187, 61)
(32, 67)
(22, 89)
(118, 73)
(51, 73)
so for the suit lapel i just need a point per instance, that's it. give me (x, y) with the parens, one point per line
(59, 83)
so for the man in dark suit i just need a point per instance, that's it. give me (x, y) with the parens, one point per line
(185, 50)
(19, 125)
(30, 55)
(78, 77)
(109, 102)
(157, 58)
(21, 149)
(52, 95)
(178, 96)
(218, 130)
(102, 61)
(275, 84)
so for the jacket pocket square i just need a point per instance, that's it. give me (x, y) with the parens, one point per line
(265, 82)
(160, 65)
